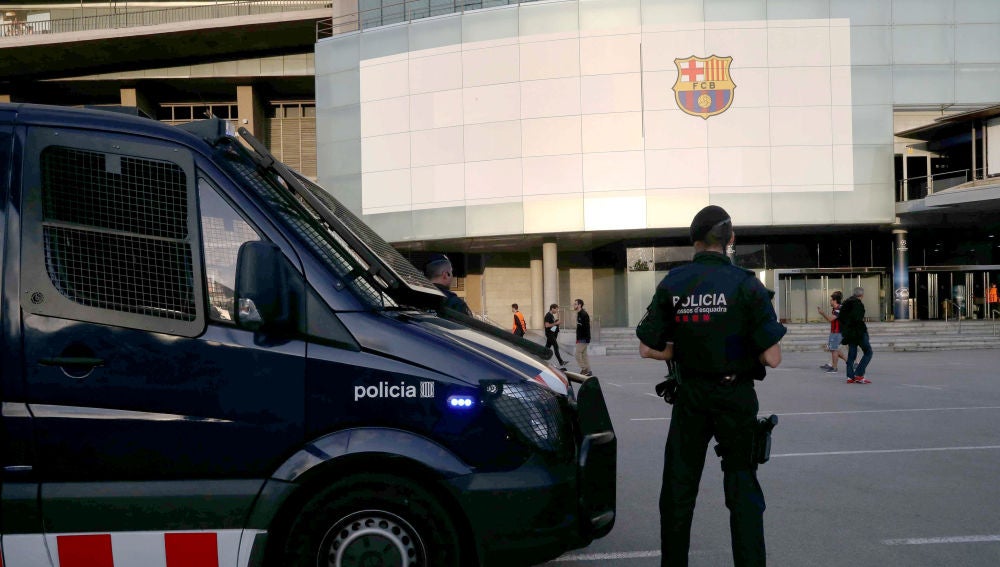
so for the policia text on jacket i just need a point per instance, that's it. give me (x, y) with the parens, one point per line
(208, 360)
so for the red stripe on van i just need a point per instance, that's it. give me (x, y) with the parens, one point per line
(85, 550)
(192, 550)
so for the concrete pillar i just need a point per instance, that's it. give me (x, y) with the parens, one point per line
(134, 97)
(901, 277)
(538, 305)
(251, 110)
(550, 274)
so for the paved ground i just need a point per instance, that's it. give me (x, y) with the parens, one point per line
(902, 472)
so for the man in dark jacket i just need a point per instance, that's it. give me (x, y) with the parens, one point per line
(852, 326)
(552, 323)
(582, 337)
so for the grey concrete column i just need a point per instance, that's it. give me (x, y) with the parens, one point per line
(550, 274)
(538, 306)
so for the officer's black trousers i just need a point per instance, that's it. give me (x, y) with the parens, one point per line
(727, 412)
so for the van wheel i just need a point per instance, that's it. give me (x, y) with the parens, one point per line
(372, 521)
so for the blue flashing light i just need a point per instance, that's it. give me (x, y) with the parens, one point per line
(460, 402)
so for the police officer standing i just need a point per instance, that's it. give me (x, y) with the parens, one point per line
(715, 321)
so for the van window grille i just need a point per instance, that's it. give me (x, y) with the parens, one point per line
(129, 194)
(116, 232)
(123, 273)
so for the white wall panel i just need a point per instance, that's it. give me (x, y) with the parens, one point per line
(923, 45)
(923, 12)
(798, 47)
(667, 129)
(338, 89)
(797, 9)
(842, 126)
(977, 11)
(381, 153)
(490, 66)
(614, 211)
(435, 73)
(739, 167)
(493, 103)
(436, 110)
(872, 125)
(733, 10)
(657, 90)
(551, 97)
(871, 45)
(438, 184)
(553, 213)
(552, 174)
(923, 84)
(550, 59)
(747, 46)
(978, 83)
(602, 94)
(602, 17)
(434, 147)
(551, 136)
(752, 88)
(614, 171)
(862, 12)
(387, 116)
(802, 165)
(977, 43)
(749, 127)
(802, 126)
(612, 132)
(338, 53)
(436, 34)
(843, 166)
(672, 13)
(388, 80)
(660, 49)
(492, 179)
(609, 54)
(495, 140)
(800, 86)
(385, 189)
(871, 85)
(676, 168)
(548, 20)
(674, 207)
(485, 28)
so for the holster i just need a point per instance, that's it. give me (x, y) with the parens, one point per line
(668, 388)
(762, 438)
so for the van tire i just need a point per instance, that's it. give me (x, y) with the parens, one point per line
(388, 516)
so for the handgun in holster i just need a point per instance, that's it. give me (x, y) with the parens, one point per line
(760, 447)
(668, 388)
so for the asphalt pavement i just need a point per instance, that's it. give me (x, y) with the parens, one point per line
(904, 471)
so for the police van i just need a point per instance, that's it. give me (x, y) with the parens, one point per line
(208, 361)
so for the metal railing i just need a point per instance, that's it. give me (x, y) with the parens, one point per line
(394, 12)
(130, 18)
(919, 187)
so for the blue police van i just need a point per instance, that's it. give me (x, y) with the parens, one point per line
(207, 360)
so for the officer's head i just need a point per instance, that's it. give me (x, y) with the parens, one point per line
(713, 228)
(438, 269)
(859, 292)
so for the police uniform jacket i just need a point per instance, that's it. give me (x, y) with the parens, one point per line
(718, 316)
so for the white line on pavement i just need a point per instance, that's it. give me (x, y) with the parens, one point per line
(846, 412)
(608, 556)
(882, 451)
(922, 386)
(931, 540)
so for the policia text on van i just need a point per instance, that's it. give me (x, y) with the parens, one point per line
(208, 360)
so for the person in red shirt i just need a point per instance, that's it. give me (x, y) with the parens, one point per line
(833, 342)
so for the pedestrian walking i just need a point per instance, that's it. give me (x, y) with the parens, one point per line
(716, 322)
(833, 341)
(852, 319)
(582, 337)
(551, 323)
(519, 327)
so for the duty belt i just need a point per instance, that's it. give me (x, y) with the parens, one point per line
(713, 377)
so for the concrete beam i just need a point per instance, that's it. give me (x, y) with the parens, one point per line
(134, 97)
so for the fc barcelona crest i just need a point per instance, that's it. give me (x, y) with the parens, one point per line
(704, 87)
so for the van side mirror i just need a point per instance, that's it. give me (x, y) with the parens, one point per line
(263, 291)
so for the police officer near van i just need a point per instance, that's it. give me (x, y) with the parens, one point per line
(714, 324)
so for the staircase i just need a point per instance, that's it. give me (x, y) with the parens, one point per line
(900, 336)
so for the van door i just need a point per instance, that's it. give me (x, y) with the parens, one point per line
(153, 411)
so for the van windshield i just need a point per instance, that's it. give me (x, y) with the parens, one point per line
(307, 223)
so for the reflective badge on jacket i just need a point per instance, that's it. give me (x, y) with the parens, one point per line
(699, 307)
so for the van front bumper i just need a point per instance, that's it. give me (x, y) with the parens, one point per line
(541, 510)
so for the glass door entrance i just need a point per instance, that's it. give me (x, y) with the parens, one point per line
(953, 292)
(799, 292)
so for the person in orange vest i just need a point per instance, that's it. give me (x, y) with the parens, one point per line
(992, 298)
(519, 326)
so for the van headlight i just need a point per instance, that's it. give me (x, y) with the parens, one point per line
(531, 411)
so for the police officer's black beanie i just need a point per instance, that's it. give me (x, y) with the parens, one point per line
(705, 220)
